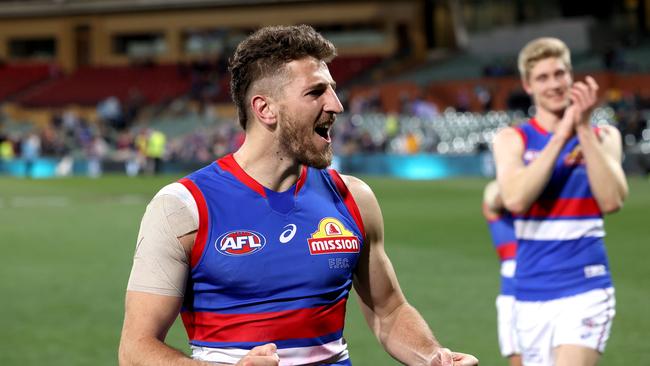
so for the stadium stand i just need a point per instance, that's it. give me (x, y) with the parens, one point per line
(346, 68)
(89, 85)
(18, 77)
(405, 90)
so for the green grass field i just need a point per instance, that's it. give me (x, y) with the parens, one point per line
(67, 246)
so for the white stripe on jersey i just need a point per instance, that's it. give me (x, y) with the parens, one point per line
(181, 192)
(331, 352)
(556, 230)
(508, 268)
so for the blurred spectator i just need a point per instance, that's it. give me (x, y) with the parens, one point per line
(7, 150)
(462, 100)
(141, 141)
(424, 109)
(30, 150)
(126, 152)
(70, 122)
(484, 97)
(96, 150)
(411, 143)
(391, 128)
(109, 111)
(133, 105)
(155, 151)
(499, 68)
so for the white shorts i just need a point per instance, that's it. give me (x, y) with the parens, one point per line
(584, 320)
(508, 342)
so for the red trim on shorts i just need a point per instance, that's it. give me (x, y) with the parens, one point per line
(564, 207)
(268, 326)
(229, 164)
(507, 250)
(348, 200)
(202, 234)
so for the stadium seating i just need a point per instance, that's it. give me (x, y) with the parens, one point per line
(345, 68)
(453, 132)
(89, 85)
(16, 78)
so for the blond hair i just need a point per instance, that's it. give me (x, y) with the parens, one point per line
(540, 49)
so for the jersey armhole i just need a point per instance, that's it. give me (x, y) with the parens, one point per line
(348, 200)
(522, 134)
(202, 233)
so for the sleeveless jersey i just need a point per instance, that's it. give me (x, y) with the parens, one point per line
(560, 238)
(502, 231)
(271, 267)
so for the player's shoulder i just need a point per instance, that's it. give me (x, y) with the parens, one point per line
(509, 138)
(176, 197)
(356, 185)
(175, 189)
(509, 132)
(362, 194)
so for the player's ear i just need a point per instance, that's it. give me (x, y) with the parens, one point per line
(263, 109)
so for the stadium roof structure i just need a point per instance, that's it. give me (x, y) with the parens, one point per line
(14, 8)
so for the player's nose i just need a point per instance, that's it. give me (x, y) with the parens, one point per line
(332, 102)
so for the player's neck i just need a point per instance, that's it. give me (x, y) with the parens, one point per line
(267, 166)
(546, 119)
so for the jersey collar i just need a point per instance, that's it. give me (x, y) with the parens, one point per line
(229, 164)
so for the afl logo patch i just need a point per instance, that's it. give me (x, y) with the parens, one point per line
(575, 157)
(240, 242)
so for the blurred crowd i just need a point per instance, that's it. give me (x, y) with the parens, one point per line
(127, 132)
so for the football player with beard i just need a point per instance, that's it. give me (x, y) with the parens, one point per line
(259, 250)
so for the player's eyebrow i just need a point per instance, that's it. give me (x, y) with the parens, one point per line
(321, 85)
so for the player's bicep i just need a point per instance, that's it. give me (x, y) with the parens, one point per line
(375, 281)
(161, 260)
(508, 151)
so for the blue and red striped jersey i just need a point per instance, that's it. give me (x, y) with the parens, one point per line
(271, 266)
(502, 231)
(560, 238)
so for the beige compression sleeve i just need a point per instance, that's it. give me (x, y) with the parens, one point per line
(160, 263)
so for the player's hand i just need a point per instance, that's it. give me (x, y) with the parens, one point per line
(265, 355)
(463, 359)
(566, 127)
(445, 357)
(584, 96)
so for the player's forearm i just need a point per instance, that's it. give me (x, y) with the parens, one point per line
(606, 177)
(152, 352)
(521, 188)
(407, 337)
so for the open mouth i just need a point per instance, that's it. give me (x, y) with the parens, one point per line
(324, 131)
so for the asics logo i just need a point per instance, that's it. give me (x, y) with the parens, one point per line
(288, 234)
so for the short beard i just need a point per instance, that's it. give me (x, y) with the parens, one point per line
(296, 143)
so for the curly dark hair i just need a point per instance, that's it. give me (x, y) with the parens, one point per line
(265, 52)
